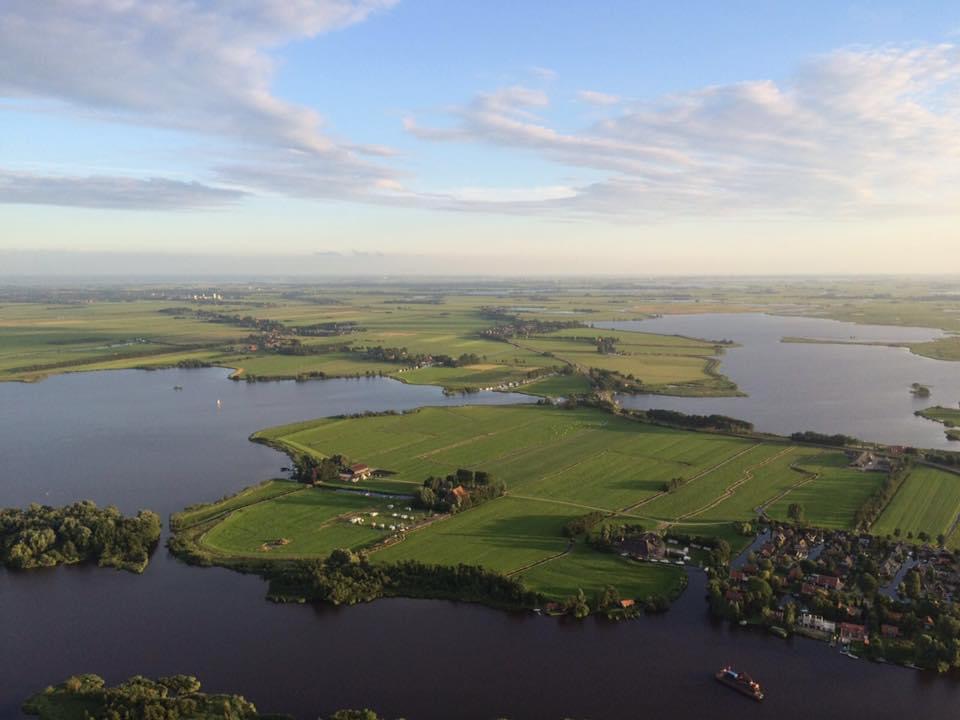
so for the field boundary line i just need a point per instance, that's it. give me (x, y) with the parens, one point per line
(529, 566)
(699, 475)
(731, 489)
(761, 510)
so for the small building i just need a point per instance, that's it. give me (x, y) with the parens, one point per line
(816, 622)
(358, 472)
(889, 631)
(455, 496)
(627, 603)
(828, 581)
(851, 632)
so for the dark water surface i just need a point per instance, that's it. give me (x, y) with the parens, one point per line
(862, 391)
(127, 438)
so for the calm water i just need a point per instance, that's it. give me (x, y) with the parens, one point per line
(855, 390)
(128, 438)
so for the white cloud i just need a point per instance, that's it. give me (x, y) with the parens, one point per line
(855, 131)
(201, 67)
(593, 97)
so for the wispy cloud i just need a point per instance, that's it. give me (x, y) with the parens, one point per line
(593, 97)
(113, 192)
(855, 131)
(199, 67)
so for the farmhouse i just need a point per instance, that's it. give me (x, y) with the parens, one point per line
(648, 546)
(357, 472)
(868, 461)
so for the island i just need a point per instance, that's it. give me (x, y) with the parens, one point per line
(170, 698)
(948, 417)
(44, 536)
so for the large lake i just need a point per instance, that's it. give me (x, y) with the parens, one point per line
(857, 390)
(128, 438)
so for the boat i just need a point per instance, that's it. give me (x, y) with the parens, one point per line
(741, 682)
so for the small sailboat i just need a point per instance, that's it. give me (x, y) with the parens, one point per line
(219, 404)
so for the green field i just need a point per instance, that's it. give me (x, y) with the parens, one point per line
(832, 497)
(505, 534)
(557, 464)
(311, 521)
(662, 363)
(928, 501)
(558, 386)
(583, 457)
(592, 571)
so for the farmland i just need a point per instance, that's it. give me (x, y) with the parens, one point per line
(557, 464)
(272, 334)
(928, 502)
(831, 498)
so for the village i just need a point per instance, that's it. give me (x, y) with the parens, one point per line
(883, 598)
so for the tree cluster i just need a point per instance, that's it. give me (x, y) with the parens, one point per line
(346, 578)
(459, 491)
(311, 469)
(139, 698)
(582, 524)
(43, 536)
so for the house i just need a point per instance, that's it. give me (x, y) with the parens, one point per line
(648, 546)
(737, 576)
(733, 596)
(828, 581)
(889, 631)
(358, 472)
(816, 622)
(807, 589)
(868, 462)
(851, 632)
(627, 603)
(457, 495)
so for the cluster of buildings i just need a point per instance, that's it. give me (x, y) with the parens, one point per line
(842, 585)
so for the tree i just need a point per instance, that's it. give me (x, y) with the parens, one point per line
(795, 512)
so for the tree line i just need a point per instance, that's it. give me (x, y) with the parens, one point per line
(699, 422)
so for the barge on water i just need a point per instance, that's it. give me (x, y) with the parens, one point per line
(741, 682)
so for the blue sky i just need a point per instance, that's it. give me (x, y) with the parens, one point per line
(617, 136)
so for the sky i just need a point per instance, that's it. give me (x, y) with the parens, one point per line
(555, 137)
